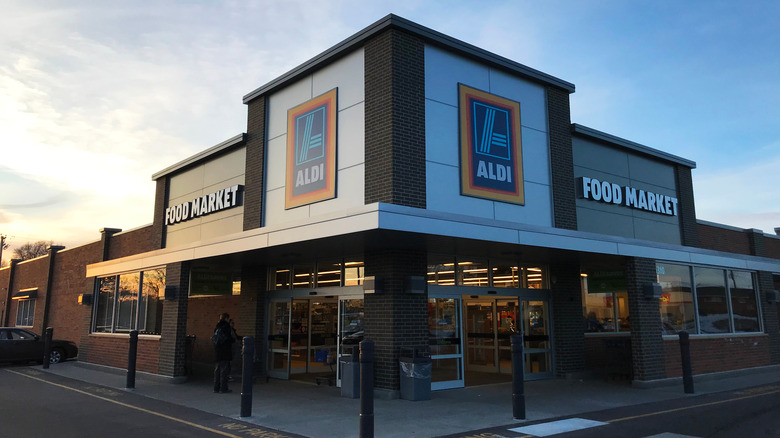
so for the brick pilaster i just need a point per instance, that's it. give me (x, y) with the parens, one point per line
(173, 337)
(254, 285)
(756, 242)
(769, 312)
(158, 221)
(255, 164)
(646, 336)
(566, 297)
(395, 119)
(562, 173)
(686, 210)
(7, 304)
(393, 317)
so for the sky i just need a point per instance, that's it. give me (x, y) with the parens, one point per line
(97, 96)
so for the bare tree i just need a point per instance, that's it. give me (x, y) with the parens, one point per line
(31, 250)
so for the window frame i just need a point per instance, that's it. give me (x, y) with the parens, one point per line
(140, 298)
(25, 312)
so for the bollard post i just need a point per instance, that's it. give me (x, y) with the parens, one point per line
(685, 355)
(518, 377)
(47, 347)
(132, 353)
(248, 355)
(366, 389)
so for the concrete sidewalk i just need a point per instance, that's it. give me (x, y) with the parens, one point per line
(319, 411)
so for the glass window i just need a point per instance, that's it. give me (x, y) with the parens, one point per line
(473, 273)
(303, 277)
(443, 325)
(604, 311)
(25, 313)
(441, 272)
(328, 274)
(534, 278)
(354, 272)
(127, 301)
(104, 311)
(676, 303)
(711, 300)
(150, 303)
(743, 301)
(505, 275)
(281, 278)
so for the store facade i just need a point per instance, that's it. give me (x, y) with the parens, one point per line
(412, 189)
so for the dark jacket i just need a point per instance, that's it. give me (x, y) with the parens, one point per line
(224, 351)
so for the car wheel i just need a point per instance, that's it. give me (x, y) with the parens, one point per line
(56, 355)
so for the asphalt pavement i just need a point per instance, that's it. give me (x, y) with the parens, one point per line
(311, 410)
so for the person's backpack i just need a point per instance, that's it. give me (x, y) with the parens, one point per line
(219, 337)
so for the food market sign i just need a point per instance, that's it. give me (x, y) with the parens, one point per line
(202, 205)
(627, 196)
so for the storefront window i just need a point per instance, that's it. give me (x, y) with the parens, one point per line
(505, 275)
(743, 301)
(354, 273)
(711, 300)
(441, 272)
(25, 313)
(604, 311)
(282, 278)
(130, 302)
(329, 274)
(676, 304)
(534, 278)
(303, 277)
(473, 273)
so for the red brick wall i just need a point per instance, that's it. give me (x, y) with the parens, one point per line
(715, 354)
(66, 316)
(31, 273)
(723, 239)
(131, 242)
(202, 315)
(5, 273)
(111, 350)
(771, 245)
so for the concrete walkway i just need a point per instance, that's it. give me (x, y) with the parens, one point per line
(319, 411)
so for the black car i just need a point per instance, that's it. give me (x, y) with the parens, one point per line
(19, 345)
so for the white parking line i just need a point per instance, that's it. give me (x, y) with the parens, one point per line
(556, 427)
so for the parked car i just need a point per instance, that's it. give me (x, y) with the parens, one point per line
(20, 345)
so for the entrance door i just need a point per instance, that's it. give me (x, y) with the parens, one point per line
(351, 314)
(279, 339)
(444, 339)
(489, 324)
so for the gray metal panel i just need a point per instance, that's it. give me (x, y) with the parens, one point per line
(652, 172)
(603, 222)
(594, 156)
(657, 231)
(623, 143)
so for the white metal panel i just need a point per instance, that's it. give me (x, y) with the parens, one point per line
(350, 185)
(351, 137)
(536, 156)
(226, 167)
(443, 193)
(441, 133)
(274, 209)
(281, 101)
(223, 225)
(185, 183)
(182, 236)
(348, 75)
(536, 211)
(276, 163)
(532, 98)
(443, 71)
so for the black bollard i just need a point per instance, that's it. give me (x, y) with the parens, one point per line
(518, 377)
(366, 389)
(47, 347)
(132, 353)
(685, 356)
(248, 354)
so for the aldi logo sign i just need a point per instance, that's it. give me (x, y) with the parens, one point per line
(311, 151)
(491, 157)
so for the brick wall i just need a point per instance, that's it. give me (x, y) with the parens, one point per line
(646, 337)
(173, 337)
(29, 274)
(132, 242)
(772, 247)
(393, 318)
(723, 239)
(566, 302)
(255, 162)
(395, 119)
(112, 351)
(711, 355)
(559, 121)
(158, 221)
(202, 316)
(770, 314)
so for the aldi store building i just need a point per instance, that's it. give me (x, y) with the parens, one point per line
(412, 189)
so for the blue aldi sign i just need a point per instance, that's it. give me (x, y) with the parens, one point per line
(490, 147)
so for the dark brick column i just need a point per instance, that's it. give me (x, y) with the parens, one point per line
(158, 221)
(395, 119)
(255, 164)
(646, 335)
(568, 325)
(393, 317)
(252, 312)
(7, 304)
(49, 281)
(173, 338)
(562, 159)
(756, 242)
(686, 210)
(769, 312)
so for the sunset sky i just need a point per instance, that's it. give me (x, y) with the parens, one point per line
(97, 96)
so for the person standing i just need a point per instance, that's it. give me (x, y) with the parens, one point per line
(223, 351)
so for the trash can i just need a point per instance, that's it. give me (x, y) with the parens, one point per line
(350, 376)
(415, 368)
